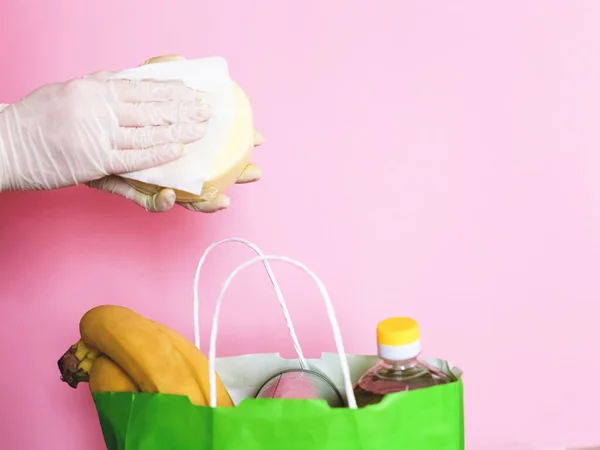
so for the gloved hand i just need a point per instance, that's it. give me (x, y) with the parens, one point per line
(84, 129)
(165, 199)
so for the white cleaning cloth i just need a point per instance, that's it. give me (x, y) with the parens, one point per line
(210, 75)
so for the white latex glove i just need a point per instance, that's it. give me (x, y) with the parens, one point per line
(165, 199)
(84, 129)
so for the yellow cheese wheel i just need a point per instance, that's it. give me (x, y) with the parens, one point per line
(230, 160)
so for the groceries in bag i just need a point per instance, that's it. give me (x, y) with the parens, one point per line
(400, 369)
(121, 351)
(301, 384)
(134, 417)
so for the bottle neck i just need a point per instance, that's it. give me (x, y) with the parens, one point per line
(402, 364)
(399, 352)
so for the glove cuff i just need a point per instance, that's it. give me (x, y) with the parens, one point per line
(3, 161)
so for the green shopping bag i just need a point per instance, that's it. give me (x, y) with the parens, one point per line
(429, 418)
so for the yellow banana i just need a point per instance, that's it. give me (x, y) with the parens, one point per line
(199, 364)
(148, 357)
(107, 376)
(120, 350)
(86, 365)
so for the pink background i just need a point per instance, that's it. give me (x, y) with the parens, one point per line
(431, 159)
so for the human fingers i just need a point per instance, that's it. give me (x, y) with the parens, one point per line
(250, 174)
(122, 161)
(162, 201)
(141, 91)
(162, 113)
(220, 202)
(143, 137)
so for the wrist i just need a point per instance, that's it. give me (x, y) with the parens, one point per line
(4, 166)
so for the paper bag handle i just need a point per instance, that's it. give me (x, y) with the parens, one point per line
(330, 313)
(286, 313)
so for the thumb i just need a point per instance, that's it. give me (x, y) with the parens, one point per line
(161, 202)
(209, 206)
(124, 161)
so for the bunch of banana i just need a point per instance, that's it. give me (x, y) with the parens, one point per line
(121, 351)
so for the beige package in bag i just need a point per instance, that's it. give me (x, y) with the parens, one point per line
(214, 163)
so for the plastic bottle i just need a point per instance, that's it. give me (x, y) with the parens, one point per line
(398, 344)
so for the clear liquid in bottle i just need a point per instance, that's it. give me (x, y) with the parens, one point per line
(400, 368)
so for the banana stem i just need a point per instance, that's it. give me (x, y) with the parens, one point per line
(70, 370)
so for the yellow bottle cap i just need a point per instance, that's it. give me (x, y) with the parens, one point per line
(397, 331)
